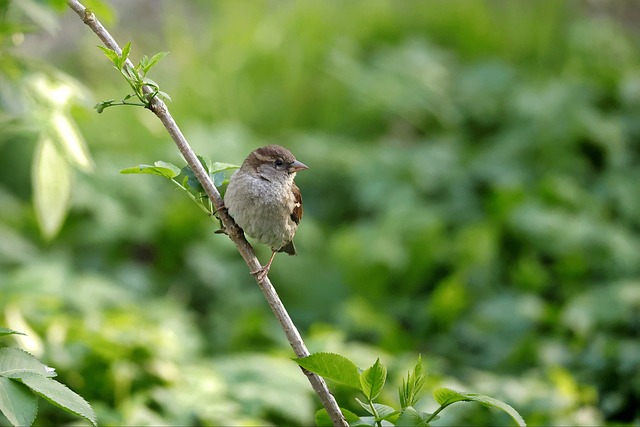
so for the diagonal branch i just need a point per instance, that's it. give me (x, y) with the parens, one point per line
(234, 232)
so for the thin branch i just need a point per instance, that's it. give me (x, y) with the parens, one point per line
(234, 232)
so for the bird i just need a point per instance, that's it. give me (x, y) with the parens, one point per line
(263, 199)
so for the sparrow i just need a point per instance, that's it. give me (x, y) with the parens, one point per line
(265, 202)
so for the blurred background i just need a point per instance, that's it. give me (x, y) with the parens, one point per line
(472, 196)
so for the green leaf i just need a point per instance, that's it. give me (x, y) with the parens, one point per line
(379, 411)
(160, 168)
(372, 380)
(408, 392)
(332, 366)
(68, 138)
(322, 417)
(216, 167)
(164, 95)
(191, 181)
(7, 331)
(51, 182)
(17, 402)
(447, 396)
(100, 106)
(58, 394)
(150, 83)
(153, 61)
(112, 55)
(15, 362)
(126, 50)
(411, 417)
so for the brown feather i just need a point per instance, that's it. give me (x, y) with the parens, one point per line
(296, 215)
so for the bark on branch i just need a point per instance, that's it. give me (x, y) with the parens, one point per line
(160, 109)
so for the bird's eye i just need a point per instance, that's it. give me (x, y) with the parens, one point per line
(279, 163)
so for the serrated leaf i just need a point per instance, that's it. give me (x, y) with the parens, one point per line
(6, 331)
(51, 187)
(17, 402)
(322, 418)
(15, 362)
(447, 396)
(332, 366)
(372, 380)
(411, 417)
(60, 395)
(164, 169)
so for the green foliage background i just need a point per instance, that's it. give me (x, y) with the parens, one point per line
(472, 195)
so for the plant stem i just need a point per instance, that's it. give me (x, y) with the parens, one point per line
(233, 231)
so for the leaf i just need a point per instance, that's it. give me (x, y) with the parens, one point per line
(322, 417)
(7, 331)
(51, 187)
(17, 402)
(160, 168)
(216, 167)
(411, 417)
(111, 55)
(381, 411)
(150, 83)
(153, 61)
(69, 139)
(100, 106)
(332, 366)
(408, 392)
(126, 50)
(14, 363)
(164, 95)
(60, 395)
(372, 380)
(447, 396)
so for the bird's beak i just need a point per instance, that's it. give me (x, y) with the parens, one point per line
(297, 167)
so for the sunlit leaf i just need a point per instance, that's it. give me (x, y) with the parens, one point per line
(15, 363)
(60, 395)
(7, 331)
(70, 140)
(332, 366)
(323, 419)
(52, 178)
(447, 396)
(372, 380)
(17, 402)
(160, 168)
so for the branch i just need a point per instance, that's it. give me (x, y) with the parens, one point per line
(234, 232)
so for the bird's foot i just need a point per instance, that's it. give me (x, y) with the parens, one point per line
(261, 273)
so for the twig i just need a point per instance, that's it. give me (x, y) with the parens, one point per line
(159, 108)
